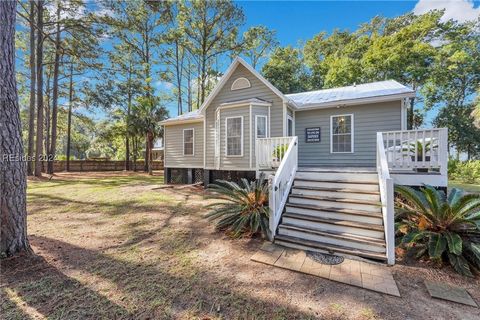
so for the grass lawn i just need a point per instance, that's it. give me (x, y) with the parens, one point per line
(119, 246)
(464, 186)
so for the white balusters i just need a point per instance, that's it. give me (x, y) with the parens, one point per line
(413, 149)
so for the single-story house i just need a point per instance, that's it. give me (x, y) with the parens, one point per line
(332, 156)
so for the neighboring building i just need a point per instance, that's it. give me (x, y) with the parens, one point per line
(336, 147)
(158, 149)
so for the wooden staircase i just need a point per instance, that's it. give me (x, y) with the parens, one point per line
(335, 211)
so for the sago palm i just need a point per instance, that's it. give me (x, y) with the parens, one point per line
(242, 209)
(444, 228)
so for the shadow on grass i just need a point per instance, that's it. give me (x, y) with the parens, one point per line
(162, 289)
(114, 207)
(48, 292)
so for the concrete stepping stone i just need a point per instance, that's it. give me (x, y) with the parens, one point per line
(450, 293)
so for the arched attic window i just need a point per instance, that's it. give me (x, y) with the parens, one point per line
(240, 83)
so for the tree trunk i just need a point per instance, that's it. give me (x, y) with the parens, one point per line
(145, 161)
(33, 79)
(150, 147)
(13, 187)
(53, 144)
(127, 131)
(39, 142)
(135, 148)
(69, 117)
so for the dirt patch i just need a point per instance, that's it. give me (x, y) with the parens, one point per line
(113, 245)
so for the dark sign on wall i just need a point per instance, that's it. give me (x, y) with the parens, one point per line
(312, 135)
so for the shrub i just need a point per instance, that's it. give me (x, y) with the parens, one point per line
(440, 227)
(466, 171)
(243, 209)
(279, 151)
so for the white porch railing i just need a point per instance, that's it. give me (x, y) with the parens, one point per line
(387, 197)
(281, 182)
(269, 152)
(417, 149)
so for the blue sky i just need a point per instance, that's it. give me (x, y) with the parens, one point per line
(297, 21)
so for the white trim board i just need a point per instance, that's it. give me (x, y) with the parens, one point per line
(241, 136)
(176, 122)
(266, 125)
(352, 132)
(193, 142)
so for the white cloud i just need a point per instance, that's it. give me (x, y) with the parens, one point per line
(164, 85)
(460, 10)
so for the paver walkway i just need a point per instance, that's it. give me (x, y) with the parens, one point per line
(357, 273)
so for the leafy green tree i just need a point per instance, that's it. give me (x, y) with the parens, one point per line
(258, 42)
(324, 54)
(286, 71)
(462, 132)
(476, 111)
(147, 113)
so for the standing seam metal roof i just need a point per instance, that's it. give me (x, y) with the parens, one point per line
(361, 91)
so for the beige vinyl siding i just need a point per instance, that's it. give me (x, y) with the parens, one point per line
(233, 162)
(174, 157)
(257, 90)
(367, 121)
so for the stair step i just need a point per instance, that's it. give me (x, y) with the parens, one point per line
(321, 209)
(298, 243)
(354, 224)
(347, 200)
(367, 170)
(337, 189)
(335, 184)
(370, 177)
(335, 193)
(373, 206)
(349, 181)
(336, 235)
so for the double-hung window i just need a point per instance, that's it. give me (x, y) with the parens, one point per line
(188, 142)
(234, 136)
(341, 133)
(261, 126)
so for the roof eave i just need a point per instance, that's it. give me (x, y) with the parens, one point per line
(180, 121)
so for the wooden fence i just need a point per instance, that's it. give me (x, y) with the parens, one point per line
(99, 165)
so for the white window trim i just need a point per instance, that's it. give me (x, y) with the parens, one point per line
(289, 117)
(236, 85)
(352, 132)
(241, 138)
(193, 147)
(266, 125)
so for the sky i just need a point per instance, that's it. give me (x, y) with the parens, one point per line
(298, 21)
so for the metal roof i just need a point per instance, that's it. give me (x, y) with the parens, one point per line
(360, 91)
(192, 115)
